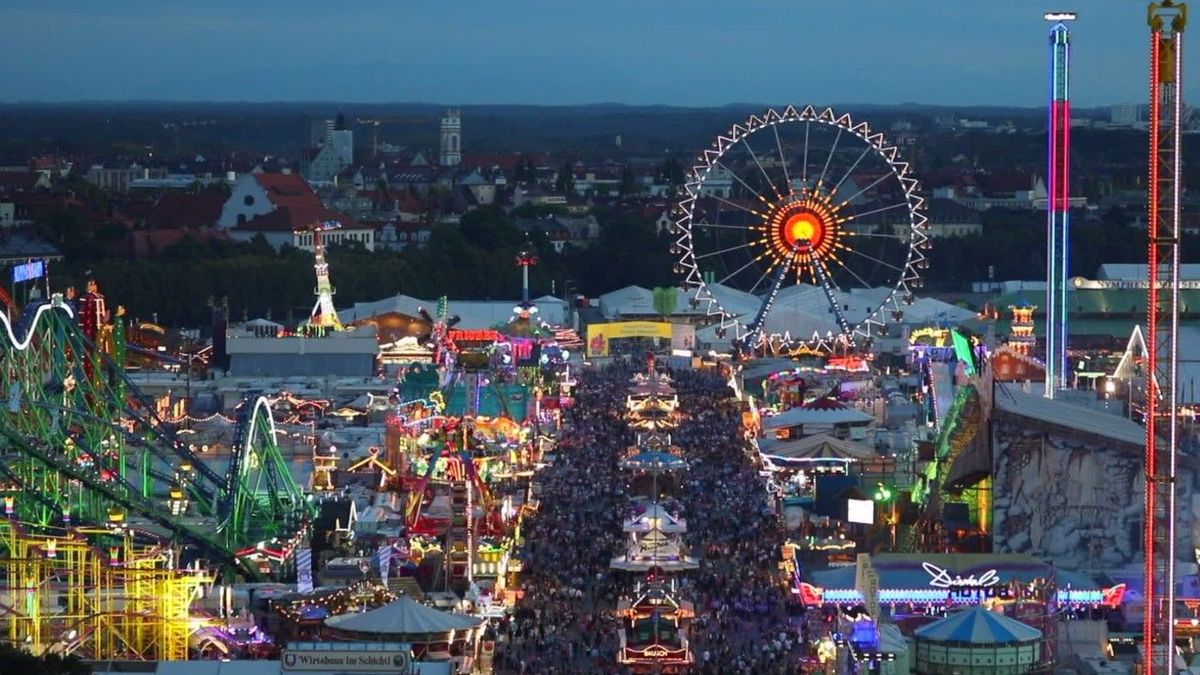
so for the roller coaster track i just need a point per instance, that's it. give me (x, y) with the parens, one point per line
(956, 431)
(258, 484)
(74, 431)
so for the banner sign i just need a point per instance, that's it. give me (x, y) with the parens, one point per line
(28, 271)
(600, 334)
(304, 580)
(1126, 284)
(353, 661)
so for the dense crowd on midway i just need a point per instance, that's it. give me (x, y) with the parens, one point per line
(565, 623)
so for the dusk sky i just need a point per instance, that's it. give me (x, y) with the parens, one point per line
(676, 52)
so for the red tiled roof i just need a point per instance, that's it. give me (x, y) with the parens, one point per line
(18, 181)
(183, 209)
(145, 243)
(288, 190)
(290, 219)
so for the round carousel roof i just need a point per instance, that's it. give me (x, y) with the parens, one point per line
(978, 626)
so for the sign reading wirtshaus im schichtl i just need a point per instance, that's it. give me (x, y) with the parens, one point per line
(348, 660)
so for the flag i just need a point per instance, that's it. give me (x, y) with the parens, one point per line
(384, 556)
(304, 580)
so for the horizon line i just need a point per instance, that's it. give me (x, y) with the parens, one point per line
(593, 104)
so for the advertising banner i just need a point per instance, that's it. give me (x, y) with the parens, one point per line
(599, 335)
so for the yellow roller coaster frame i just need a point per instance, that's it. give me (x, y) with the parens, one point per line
(62, 595)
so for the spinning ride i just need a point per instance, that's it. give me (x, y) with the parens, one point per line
(808, 199)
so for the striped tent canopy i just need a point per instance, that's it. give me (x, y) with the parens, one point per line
(402, 617)
(819, 447)
(978, 626)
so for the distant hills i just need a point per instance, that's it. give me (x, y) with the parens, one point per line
(283, 128)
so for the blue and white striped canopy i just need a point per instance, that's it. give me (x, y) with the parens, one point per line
(978, 626)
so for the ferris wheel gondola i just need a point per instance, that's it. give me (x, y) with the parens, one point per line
(805, 204)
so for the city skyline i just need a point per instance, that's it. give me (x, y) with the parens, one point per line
(532, 52)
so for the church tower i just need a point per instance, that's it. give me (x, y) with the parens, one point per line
(451, 138)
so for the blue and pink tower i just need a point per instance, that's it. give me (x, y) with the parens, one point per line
(1058, 201)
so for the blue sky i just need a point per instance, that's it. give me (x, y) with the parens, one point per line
(677, 52)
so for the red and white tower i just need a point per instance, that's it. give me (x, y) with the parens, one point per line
(1058, 201)
(1167, 20)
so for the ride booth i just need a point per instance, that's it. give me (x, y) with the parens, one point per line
(911, 591)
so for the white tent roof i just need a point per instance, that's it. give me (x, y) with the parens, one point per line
(402, 617)
(925, 310)
(654, 549)
(797, 416)
(666, 522)
(819, 446)
(475, 314)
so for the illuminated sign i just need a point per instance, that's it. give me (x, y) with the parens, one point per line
(1127, 284)
(600, 334)
(937, 335)
(940, 578)
(811, 595)
(357, 661)
(483, 335)
(1113, 597)
(1060, 16)
(30, 270)
(655, 652)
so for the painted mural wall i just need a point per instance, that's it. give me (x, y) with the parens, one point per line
(1075, 498)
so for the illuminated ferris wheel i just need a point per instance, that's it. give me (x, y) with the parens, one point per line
(805, 211)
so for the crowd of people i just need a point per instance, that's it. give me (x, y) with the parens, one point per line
(565, 621)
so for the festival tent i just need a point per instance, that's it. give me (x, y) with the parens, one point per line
(819, 447)
(402, 617)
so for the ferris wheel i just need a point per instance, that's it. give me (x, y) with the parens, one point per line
(805, 211)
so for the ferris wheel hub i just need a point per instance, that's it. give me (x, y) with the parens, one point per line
(804, 225)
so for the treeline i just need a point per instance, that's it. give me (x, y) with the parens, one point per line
(1013, 247)
(473, 260)
(476, 260)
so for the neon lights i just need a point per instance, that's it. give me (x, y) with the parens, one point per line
(1058, 203)
(1167, 21)
(815, 596)
(771, 241)
(56, 303)
(1113, 597)
(940, 578)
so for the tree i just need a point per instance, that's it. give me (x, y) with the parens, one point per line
(628, 181)
(565, 182)
(19, 661)
(671, 172)
(665, 300)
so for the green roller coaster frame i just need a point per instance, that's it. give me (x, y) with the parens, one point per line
(952, 438)
(79, 443)
(260, 499)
